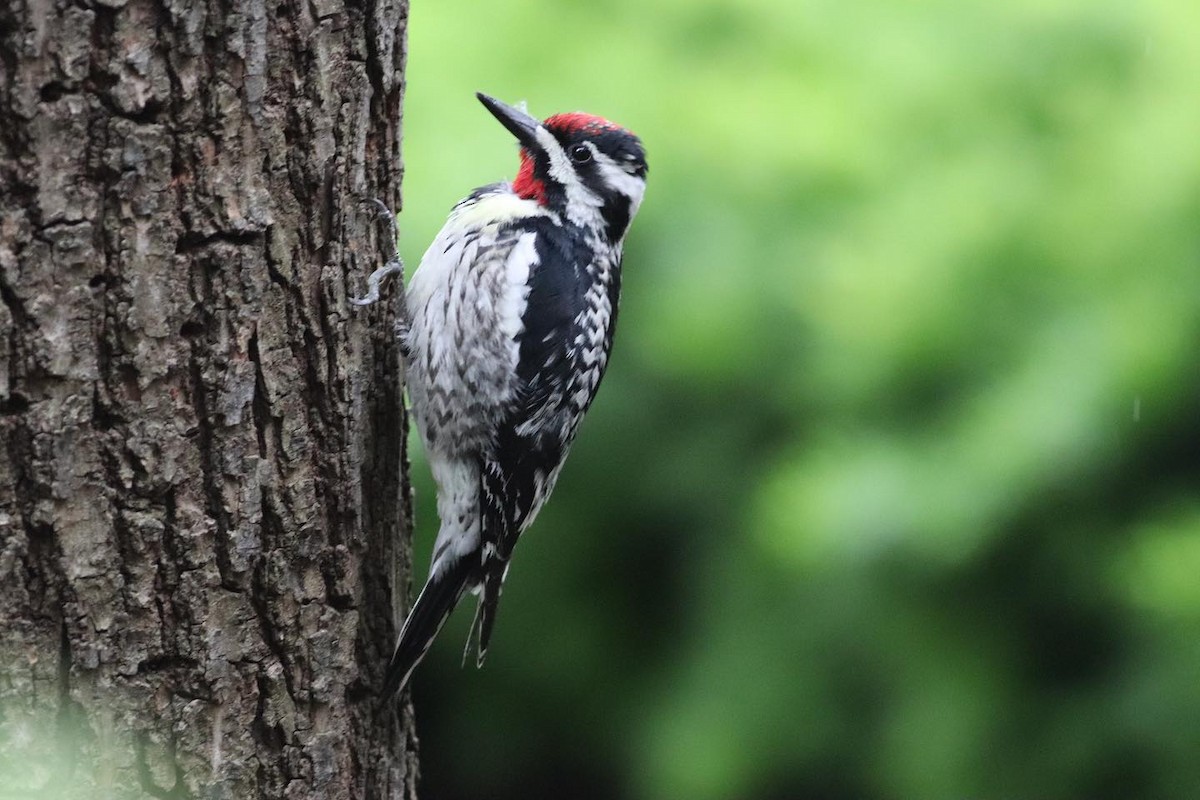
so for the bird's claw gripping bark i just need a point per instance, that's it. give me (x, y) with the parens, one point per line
(395, 264)
(375, 280)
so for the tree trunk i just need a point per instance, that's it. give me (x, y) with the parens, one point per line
(203, 497)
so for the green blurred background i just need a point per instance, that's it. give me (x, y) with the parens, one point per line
(893, 486)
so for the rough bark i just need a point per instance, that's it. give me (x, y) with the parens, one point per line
(202, 488)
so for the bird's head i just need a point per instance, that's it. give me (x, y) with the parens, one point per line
(584, 167)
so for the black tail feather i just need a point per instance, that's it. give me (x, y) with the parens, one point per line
(485, 617)
(439, 597)
(489, 603)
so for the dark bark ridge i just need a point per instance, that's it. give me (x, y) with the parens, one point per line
(203, 489)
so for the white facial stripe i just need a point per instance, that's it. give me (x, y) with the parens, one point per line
(560, 166)
(617, 177)
(582, 205)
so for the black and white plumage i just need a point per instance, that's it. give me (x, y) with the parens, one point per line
(510, 321)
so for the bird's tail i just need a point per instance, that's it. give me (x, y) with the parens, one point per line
(439, 597)
(485, 615)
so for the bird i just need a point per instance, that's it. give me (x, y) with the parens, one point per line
(509, 323)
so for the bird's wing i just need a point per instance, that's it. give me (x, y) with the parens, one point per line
(533, 436)
(563, 347)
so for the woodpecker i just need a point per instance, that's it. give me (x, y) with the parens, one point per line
(510, 320)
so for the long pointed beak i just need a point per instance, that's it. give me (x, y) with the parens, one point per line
(520, 124)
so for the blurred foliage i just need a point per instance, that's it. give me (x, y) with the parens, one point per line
(893, 487)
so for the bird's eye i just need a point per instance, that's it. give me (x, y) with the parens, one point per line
(581, 154)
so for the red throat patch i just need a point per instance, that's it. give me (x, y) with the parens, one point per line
(525, 184)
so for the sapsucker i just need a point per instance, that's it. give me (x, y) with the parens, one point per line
(509, 324)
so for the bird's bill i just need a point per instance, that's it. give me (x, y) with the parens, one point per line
(520, 124)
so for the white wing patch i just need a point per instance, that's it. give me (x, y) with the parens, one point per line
(521, 260)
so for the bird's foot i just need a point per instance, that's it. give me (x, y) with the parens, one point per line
(395, 264)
